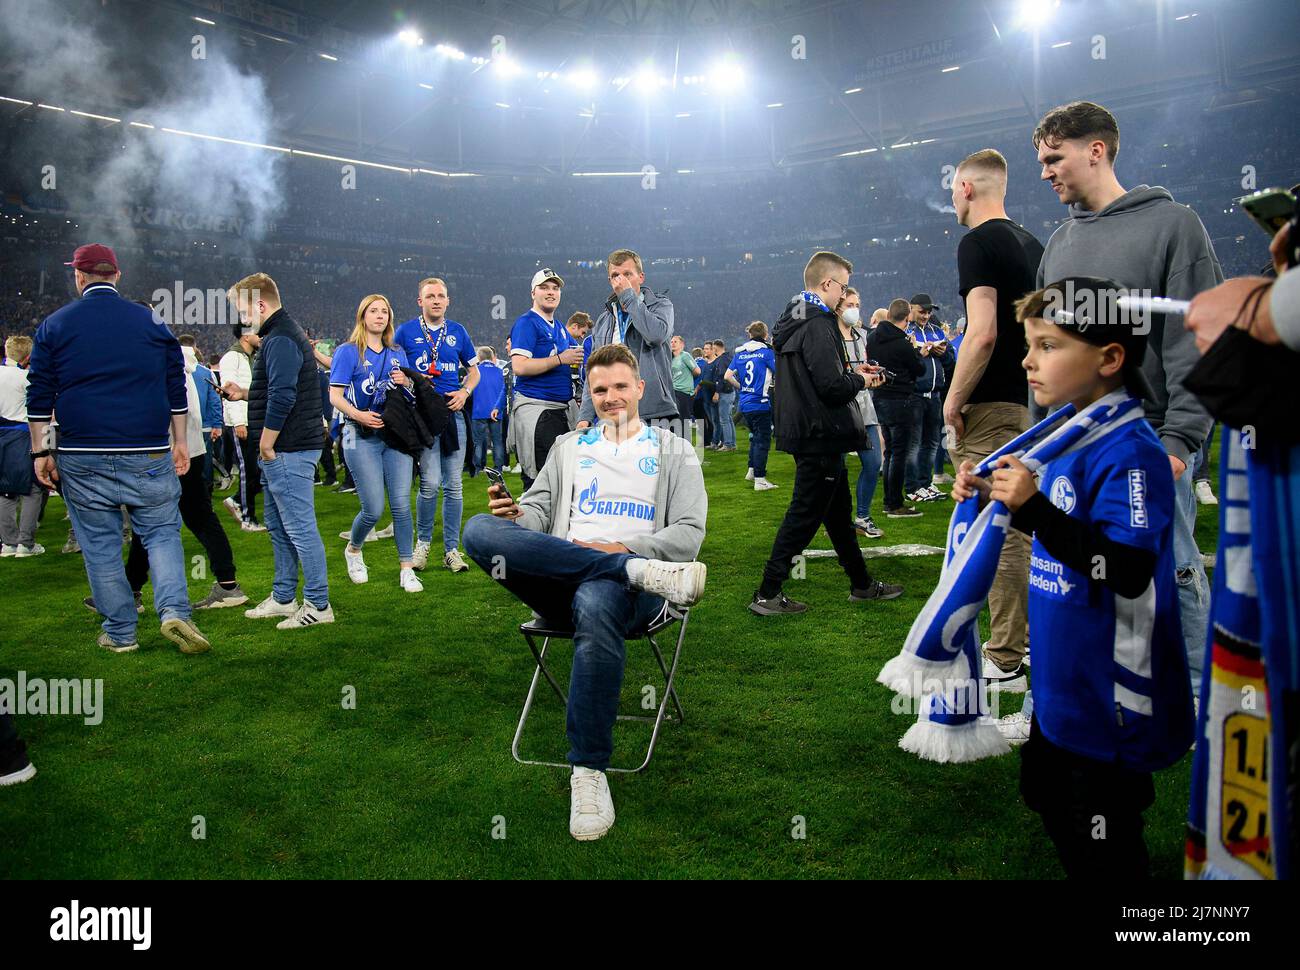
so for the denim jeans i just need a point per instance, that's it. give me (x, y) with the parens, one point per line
(94, 486)
(871, 461)
(573, 585)
(376, 469)
(727, 434)
(711, 415)
(760, 440)
(290, 513)
(1193, 585)
(485, 430)
(900, 420)
(445, 471)
(921, 460)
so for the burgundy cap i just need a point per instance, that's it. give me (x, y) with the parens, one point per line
(88, 258)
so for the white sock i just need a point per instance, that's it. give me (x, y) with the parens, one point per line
(635, 570)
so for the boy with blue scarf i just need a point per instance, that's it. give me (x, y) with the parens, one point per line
(1112, 703)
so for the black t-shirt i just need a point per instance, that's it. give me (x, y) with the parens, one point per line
(1001, 254)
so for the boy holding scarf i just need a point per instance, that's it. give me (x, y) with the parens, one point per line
(1112, 701)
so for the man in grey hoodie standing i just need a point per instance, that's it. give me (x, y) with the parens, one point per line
(1152, 245)
(642, 321)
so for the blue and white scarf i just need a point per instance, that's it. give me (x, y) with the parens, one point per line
(940, 663)
(808, 296)
(1241, 822)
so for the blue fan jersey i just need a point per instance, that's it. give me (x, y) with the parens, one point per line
(454, 350)
(362, 378)
(754, 364)
(1110, 673)
(533, 337)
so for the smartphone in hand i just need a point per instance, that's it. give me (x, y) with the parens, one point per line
(496, 478)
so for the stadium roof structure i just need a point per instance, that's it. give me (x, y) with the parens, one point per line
(565, 87)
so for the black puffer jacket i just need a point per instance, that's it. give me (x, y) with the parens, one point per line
(412, 428)
(814, 406)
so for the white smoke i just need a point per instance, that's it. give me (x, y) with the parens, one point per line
(54, 57)
(936, 207)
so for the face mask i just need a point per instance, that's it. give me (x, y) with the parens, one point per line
(851, 315)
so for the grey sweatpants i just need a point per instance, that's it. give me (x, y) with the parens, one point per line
(18, 517)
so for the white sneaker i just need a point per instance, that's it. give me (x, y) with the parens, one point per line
(410, 582)
(1009, 681)
(1014, 728)
(763, 485)
(386, 532)
(252, 526)
(231, 506)
(347, 534)
(749, 475)
(420, 558)
(307, 615)
(677, 582)
(515, 469)
(23, 552)
(455, 561)
(269, 607)
(7, 551)
(1204, 495)
(943, 478)
(591, 809)
(357, 571)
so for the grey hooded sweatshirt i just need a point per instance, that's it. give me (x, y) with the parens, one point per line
(1147, 242)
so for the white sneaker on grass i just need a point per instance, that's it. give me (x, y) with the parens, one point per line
(386, 532)
(591, 809)
(1014, 728)
(409, 582)
(269, 608)
(681, 583)
(231, 506)
(763, 485)
(455, 561)
(749, 475)
(420, 558)
(372, 536)
(1205, 494)
(35, 549)
(307, 615)
(357, 571)
(6, 551)
(1009, 681)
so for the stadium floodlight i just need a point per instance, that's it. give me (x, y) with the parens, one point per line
(584, 78)
(1035, 13)
(505, 66)
(446, 50)
(647, 80)
(410, 38)
(328, 57)
(727, 75)
(776, 104)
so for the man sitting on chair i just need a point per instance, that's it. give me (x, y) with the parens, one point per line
(608, 532)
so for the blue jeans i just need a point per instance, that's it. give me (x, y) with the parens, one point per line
(289, 511)
(570, 584)
(485, 430)
(921, 460)
(711, 415)
(94, 486)
(727, 424)
(1193, 585)
(445, 471)
(377, 468)
(760, 440)
(871, 461)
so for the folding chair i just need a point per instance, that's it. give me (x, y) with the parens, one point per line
(540, 628)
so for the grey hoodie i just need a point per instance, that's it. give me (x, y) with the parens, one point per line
(649, 328)
(681, 503)
(1146, 241)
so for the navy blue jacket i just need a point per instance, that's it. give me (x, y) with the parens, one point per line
(110, 370)
(285, 394)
